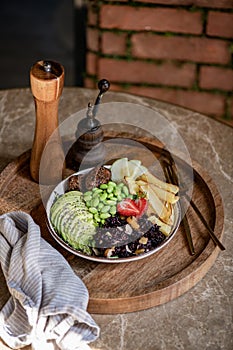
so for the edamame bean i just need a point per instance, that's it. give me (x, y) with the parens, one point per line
(88, 193)
(125, 190)
(110, 202)
(95, 201)
(87, 197)
(88, 204)
(105, 209)
(93, 210)
(96, 194)
(103, 186)
(96, 190)
(104, 215)
(103, 196)
(100, 206)
(112, 210)
(111, 183)
(110, 189)
(96, 217)
(117, 191)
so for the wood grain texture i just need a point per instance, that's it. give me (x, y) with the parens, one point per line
(46, 88)
(138, 285)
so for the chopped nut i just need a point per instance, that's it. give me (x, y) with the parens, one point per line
(133, 222)
(108, 252)
(139, 251)
(143, 240)
(128, 229)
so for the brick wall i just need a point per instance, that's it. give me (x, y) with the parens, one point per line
(178, 51)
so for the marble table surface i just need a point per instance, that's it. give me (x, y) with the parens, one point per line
(202, 317)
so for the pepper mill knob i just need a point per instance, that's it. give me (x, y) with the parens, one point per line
(47, 81)
(103, 86)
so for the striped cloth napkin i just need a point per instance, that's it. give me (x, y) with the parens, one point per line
(48, 302)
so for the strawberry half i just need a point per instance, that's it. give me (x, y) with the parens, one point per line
(142, 205)
(128, 207)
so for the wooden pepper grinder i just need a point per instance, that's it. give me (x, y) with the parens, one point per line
(88, 149)
(47, 81)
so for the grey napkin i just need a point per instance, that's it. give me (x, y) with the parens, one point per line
(48, 302)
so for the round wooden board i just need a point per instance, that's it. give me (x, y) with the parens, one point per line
(138, 285)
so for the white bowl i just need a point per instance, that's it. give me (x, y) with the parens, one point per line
(62, 187)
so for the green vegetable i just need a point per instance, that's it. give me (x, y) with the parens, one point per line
(73, 221)
(103, 200)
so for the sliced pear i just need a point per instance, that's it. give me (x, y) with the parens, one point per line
(120, 169)
(136, 169)
(133, 165)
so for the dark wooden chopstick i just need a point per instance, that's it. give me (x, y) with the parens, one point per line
(205, 223)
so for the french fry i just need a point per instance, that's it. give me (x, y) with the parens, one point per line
(150, 178)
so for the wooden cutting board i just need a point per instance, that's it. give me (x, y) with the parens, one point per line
(138, 285)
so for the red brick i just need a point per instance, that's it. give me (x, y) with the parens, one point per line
(158, 19)
(114, 44)
(216, 78)
(220, 24)
(228, 4)
(148, 45)
(91, 63)
(203, 102)
(202, 3)
(93, 39)
(92, 16)
(145, 72)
